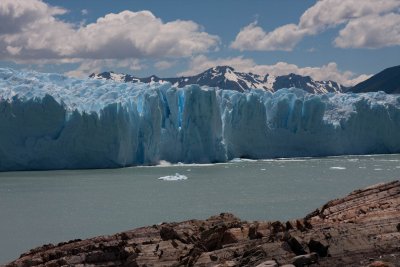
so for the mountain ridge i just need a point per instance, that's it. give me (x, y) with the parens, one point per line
(225, 77)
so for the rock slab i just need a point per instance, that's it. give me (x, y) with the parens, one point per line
(361, 229)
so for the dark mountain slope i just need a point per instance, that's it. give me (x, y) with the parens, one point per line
(387, 80)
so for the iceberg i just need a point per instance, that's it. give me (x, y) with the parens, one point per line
(176, 177)
(50, 121)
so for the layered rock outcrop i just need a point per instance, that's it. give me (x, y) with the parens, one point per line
(361, 229)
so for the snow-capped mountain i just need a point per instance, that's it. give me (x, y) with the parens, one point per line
(226, 77)
(307, 83)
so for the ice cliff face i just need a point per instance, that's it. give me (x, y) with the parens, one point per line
(49, 121)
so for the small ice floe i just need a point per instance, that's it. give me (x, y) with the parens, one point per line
(352, 160)
(239, 160)
(164, 163)
(263, 169)
(291, 159)
(176, 177)
(337, 168)
(378, 169)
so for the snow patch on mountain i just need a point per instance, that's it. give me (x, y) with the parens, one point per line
(270, 80)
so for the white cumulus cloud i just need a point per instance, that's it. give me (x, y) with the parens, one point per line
(98, 65)
(16, 15)
(325, 14)
(163, 65)
(253, 37)
(371, 32)
(30, 29)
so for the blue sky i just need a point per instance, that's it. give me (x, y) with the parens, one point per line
(342, 40)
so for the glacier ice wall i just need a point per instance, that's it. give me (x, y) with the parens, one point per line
(49, 121)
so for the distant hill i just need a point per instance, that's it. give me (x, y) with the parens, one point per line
(387, 80)
(226, 77)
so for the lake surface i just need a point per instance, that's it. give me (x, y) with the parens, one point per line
(54, 206)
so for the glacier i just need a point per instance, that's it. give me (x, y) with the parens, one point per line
(50, 121)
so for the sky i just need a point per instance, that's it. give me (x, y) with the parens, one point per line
(341, 40)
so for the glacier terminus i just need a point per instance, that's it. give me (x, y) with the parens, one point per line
(50, 121)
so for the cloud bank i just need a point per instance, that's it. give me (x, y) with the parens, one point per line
(30, 31)
(368, 24)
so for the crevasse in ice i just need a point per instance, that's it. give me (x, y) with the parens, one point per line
(50, 121)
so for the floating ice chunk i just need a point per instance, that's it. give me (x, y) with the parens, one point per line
(239, 160)
(337, 168)
(352, 160)
(291, 160)
(164, 163)
(176, 177)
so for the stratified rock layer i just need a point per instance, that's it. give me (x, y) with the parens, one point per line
(361, 229)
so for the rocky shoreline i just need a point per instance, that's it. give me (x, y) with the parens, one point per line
(361, 229)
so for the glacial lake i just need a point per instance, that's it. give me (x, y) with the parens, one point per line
(53, 206)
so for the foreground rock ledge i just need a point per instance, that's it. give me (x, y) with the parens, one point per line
(361, 229)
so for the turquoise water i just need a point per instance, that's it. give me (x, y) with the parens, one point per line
(53, 206)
